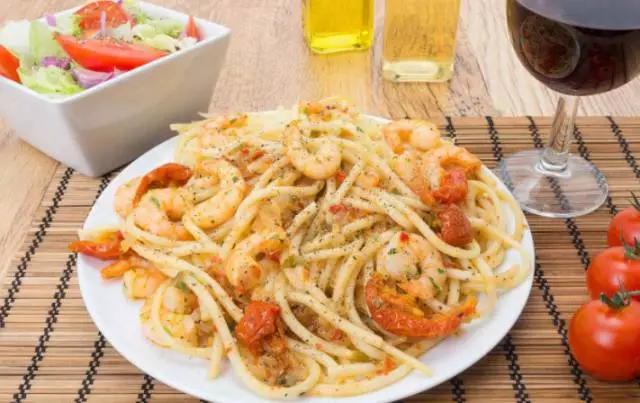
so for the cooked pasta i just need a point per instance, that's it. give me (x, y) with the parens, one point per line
(319, 250)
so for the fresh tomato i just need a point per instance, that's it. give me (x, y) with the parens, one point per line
(192, 29)
(625, 225)
(259, 321)
(90, 15)
(9, 64)
(604, 336)
(455, 228)
(615, 267)
(105, 247)
(108, 54)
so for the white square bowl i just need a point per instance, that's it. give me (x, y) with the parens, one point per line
(104, 127)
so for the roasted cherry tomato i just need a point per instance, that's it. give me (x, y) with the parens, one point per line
(108, 54)
(604, 336)
(192, 29)
(401, 315)
(105, 247)
(455, 228)
(453, 186)
(259, 321)
(625, 225)
(9, 64)
(615, 267)
(90, 15)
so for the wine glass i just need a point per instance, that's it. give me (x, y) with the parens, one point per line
(575, 47)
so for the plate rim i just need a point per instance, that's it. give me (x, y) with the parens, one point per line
(393, 391)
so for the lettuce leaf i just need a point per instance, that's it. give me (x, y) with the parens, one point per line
(50, 80)
(42, 43)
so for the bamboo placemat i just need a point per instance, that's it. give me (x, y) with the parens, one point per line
(51, 351)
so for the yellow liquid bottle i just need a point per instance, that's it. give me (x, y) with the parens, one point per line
(419, 39)
(338, 25)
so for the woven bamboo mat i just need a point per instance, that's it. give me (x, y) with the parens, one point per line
(51, 351)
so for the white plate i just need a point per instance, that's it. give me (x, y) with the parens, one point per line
(117, 319)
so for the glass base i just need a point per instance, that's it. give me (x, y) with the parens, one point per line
(417, 70)
(578, 190)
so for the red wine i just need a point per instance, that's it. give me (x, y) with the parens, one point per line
(577, 47)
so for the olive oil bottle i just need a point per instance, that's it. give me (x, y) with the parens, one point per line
(338, 25)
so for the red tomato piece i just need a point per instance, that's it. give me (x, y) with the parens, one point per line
(625, 225)
(453, 186)
(9, 64)
(455, 228)
(90, 15)
(108, 54)
(605, 339)
(259, 321)
(192, 30)
(106, 247)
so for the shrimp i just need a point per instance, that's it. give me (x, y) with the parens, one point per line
(369, 179)
(169, 174)
(179, 326)
(409, 167)
(228, 122)
(415, 264)
(221, 207)
(125, 195)
(420, 134)
(328, 109)
(323, 165)
(401, 315)
(178, 298)
(245, 267)
(446, 169)
(159, 212)
(128, 261)
(140, 283)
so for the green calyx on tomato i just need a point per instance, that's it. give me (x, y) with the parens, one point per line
(631, 251)
(619, 300)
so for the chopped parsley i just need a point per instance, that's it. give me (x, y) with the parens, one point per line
(441, 271)
(436, 286)
(392, 251)
(155, 201)
(180, 285)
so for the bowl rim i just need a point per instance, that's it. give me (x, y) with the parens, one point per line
(222, 32)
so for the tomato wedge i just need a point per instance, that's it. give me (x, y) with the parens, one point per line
(192, 29)
(9, 64)
(90, 15)
(108, 54)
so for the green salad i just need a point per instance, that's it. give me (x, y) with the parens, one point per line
(64, 55)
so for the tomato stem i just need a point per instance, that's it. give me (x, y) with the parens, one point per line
(619, 300)
(630, 251)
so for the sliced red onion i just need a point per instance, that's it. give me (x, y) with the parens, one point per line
(63, 62)
(119, 2)
(51, 19)
(103, 24)
(89, 78)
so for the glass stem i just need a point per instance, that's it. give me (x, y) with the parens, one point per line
(555, 155)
